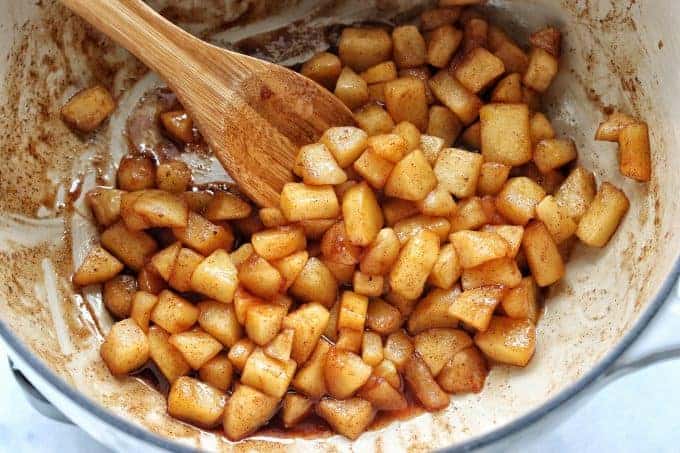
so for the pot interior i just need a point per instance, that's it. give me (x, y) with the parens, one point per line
(616, 55)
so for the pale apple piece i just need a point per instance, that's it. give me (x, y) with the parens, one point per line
(382, 317)
(294, 409)
(174, 313)
(126, 347)
(344, 373)
(510, 341)
(195, 402)
(218, 372)
(382, 395)
(476, 306)
(219, 320)
(309, 322)
(348, 417)
(310, 377)
(268, 375)
(227, 206)
(196, 346)
(281, 346)
(167, 358)
(433, 311)
(437, 346)
(277, 243)
(414, 263)
(465, 372)
(290, 267)
(162, 209)
(417, 375)
(398, 349)
(216, 277)
(412, 178)
(246, 410)
(362, 214)
(239, 353)
(98, 267)
(263, 322)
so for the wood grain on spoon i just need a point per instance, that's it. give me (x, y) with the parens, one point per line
(252, 113)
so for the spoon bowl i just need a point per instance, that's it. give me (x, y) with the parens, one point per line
(253, 114)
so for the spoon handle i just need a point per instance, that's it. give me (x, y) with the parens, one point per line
(158, 43)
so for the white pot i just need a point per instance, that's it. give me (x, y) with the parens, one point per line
(620, 54)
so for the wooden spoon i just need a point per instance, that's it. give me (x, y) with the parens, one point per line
(253, 114)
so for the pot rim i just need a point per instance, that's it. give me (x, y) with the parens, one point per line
(145, 435)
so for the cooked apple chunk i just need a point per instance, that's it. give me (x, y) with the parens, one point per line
(324, 68)
(97, 267)
(433, 311)
(88, 108)
(406, 100)
(426, 389)
(126, 347)
(507, 340)
(162, 209)
(167, 358)
(345, 143)
(518, 199)
(634, 152)
(174, 313)
(542, 254)
(610, 129)
(118, 294)
(268, 375)
(414, 263)
(131, 247)
(196, 402)
(187, 261)
(603, 216)
(450, 92)
(294, 409)
(382, 395)
(218, 372)
(476, 306)
(576, 192)
(142, 305)
(227, 206)
(310, 377)
(500, 121)
(216, 277)
(263, 322)
(477, 247)
(437, 346)
(501, 271)
(105, 204)
(522, 301)
(465, 372)
(281, 346)
(239, 353)
(276, 243)
(344, 373)
(458, 171)
(408, 228)
(316, 166)
(309, 322)
(204, 236)
(348, 417)
(196, 346)
(362, 214)
(398, 349)
(412, 178)
(219, 320)
(260, 277)
(246, 410)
